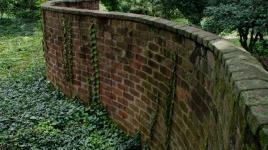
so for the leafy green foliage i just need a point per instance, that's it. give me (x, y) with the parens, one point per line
(5, 7)
(111, 5)
(38, 3)
(94, 79)
(191, 9)
(248, 17)
(147, 7)
(132, 144)
(20, 45)
(36, 116)
(33, 114)
(66, 25)
(169, 107)
(261, 47)
(21, 8)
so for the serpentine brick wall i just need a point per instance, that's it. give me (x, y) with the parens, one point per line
(181, 87)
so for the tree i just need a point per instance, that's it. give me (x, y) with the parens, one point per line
(147, 7)
(4, 7)
(21, 8)
(248, 17)
(111, 5)
(191, 9)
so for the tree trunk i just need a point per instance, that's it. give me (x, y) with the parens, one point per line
(254, 39)
(243, 35)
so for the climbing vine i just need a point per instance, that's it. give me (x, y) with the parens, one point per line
(44, 32)
(154, 118)
(170, 101)
(94, 81)
(153, 123)
(67, 47)
(169, 106)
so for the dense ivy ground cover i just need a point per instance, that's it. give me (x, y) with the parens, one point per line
(35, 115)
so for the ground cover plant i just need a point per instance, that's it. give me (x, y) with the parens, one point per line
(35, 115)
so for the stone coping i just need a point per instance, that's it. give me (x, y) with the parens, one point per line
(245, 72)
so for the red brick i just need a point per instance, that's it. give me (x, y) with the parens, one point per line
(123, 114)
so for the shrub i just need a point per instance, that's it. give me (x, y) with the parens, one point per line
(21, 8)
(248, 17)
(111, 5)
(4, 7)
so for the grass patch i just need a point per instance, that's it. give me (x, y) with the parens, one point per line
(183, 21)
(20, 45)
(235, 41)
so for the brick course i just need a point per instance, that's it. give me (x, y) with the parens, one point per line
(221, 90)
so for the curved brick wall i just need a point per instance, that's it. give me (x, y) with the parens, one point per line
(182, 87)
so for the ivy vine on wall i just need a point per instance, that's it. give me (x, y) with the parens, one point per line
(66, 24)
(152, 123)
(94, 80)
(154, 118)
(170, 101)
(169, 107)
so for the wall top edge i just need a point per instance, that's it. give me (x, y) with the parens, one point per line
(220, 47)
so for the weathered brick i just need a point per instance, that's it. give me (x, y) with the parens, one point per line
(129, 83)
(128, 96)
(154, 47)
(147, 69)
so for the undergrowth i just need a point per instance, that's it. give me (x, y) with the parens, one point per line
(20, 45)
(35, 115)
